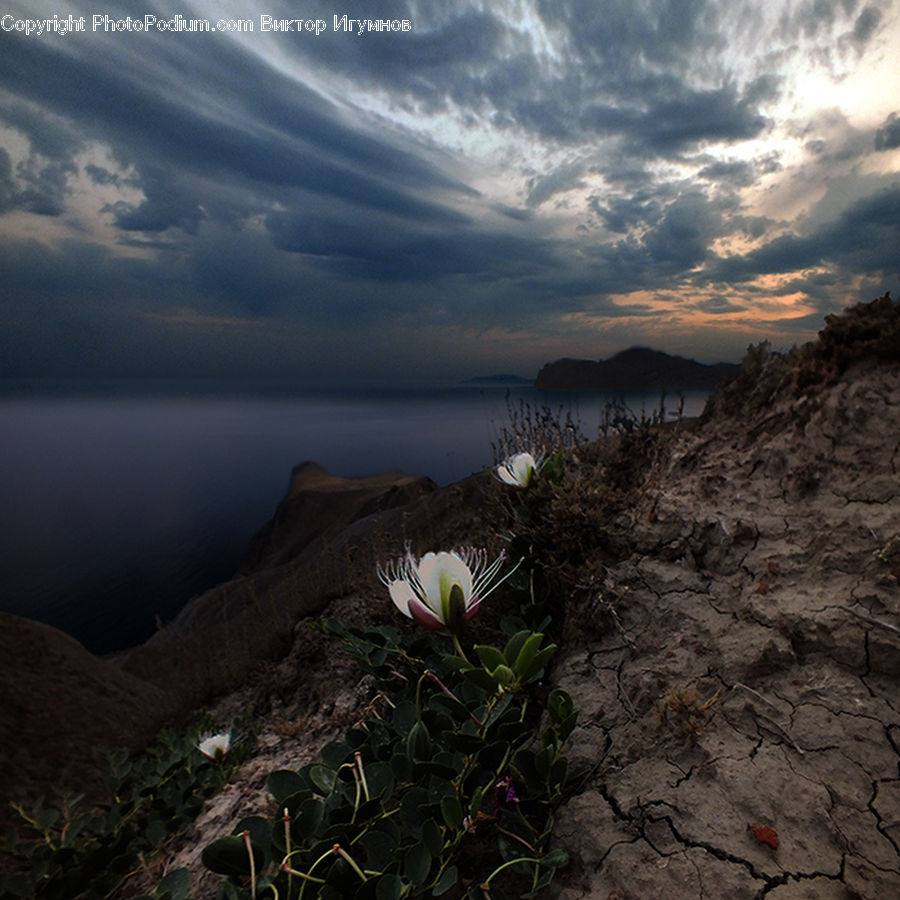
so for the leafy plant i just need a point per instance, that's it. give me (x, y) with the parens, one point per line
(67, 850)
(446, 787)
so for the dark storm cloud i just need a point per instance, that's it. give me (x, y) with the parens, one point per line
(401, 255)
(620, 214)
(866, 25)
(283, 139)
(563, 178)
(736, 172)
(442, 59)
(102, 175)
(627, 71)
(7, 184)
(163, 206)
(888, 136)
(38, 184)
(666, 240)
(863, 239)
(695, 116)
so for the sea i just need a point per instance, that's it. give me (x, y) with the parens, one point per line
(119, 504)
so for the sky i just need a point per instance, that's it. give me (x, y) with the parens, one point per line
(483, 188)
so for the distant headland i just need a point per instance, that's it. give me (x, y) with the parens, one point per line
(636, 369)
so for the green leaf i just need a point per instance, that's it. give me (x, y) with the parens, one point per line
(526, 655)
(538, 662)
(230, 891)
(417, 863)
(543, 761)
(380, 779)
(155, 832)
(260, 830)
(381, 849)
(452, 812)
(46, 818)
(446, 881)
(512, 625)
(475, 802)
(490, 657)
(443, 702)
(357, 737)
(480, 678)
(432, 837)
(559, 705)
(567, 726)
(464, 743)
(389, 887)
(504, 676)
(284, 782)
(308, 818)
(336, 754)
(524, 765)
(401, 767)
(454, 663)
(414, 808)
(405, 716)
(341, 878)
(555, 859)
(418, 743)
(322, 778)
(228, 856)
(514, 646)
(558, 770)
(177, 883)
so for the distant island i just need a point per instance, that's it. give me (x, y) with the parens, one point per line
(635, 369)
(500, 379)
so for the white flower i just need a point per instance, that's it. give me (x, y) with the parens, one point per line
(440, 590)
(216, 745)
(518, 470)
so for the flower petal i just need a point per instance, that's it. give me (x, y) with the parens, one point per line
(438, 573)
(517, 470)
(215, 744)
(424, 616)
(506, 476)
(402, 594)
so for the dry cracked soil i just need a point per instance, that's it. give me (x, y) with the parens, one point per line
(751, 678)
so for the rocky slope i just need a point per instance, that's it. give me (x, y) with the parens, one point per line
(732, 641)
(752, 678)
(58, 704)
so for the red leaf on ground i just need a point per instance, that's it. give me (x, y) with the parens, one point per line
(765, 835)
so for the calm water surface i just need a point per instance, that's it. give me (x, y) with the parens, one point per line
(115, 510)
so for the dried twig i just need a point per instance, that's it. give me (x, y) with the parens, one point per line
(768, 720)
(885, 625)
